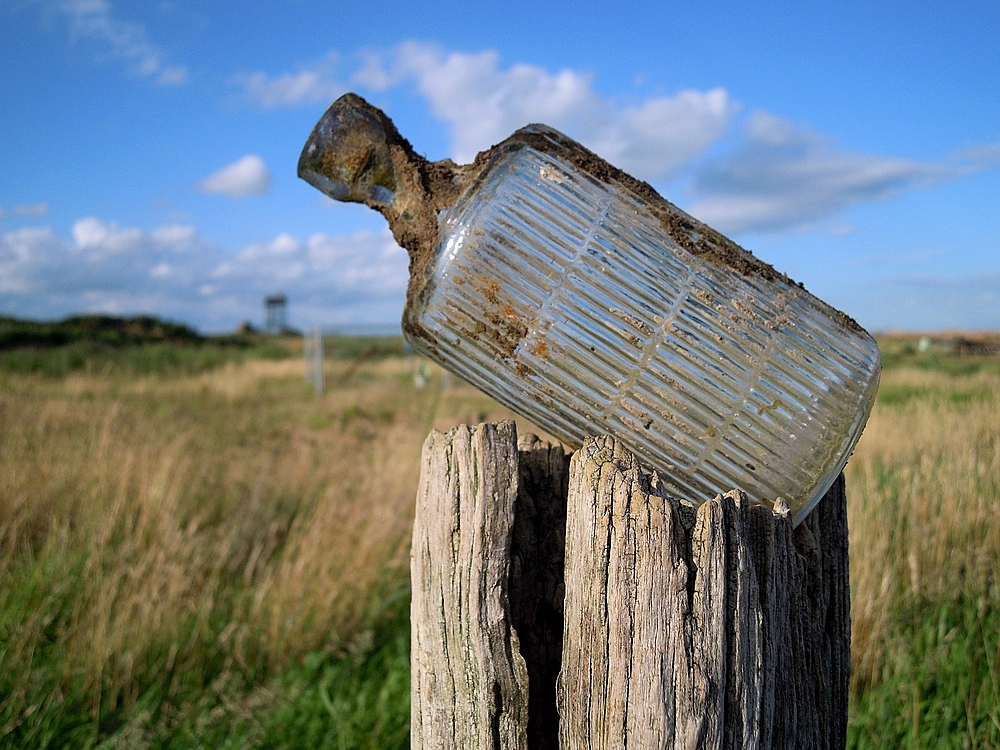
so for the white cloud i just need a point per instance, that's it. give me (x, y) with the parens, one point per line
(281, 247)
(370, 260)
(778, 177)
(28, 211)
(784, 177)
(359, 278)
(170, 271)
(659, 137)
(980, 155)
(100, 238)
(362, 265)
(329, 280)
(172, 76)
(309, 85)
(482, 103)
(89, 232)
(24, 253)
(174, 235)
(33, 211)
(246, 176)
(93, 22)
(160, 270)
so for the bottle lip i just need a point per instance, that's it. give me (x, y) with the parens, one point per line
(348, 154)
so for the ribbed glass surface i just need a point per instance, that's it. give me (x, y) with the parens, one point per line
(562, 297)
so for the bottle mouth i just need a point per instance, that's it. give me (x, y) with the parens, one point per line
(347, 155)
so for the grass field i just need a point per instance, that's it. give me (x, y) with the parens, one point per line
(923, 500)
(197, 551)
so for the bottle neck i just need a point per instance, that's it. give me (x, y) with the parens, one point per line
(355, 154)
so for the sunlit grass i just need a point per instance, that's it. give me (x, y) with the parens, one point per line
(216, 556)
(166, 535)
(923, 498)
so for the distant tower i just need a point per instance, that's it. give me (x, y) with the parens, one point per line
(275, 309)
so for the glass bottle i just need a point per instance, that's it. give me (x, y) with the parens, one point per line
(581, 299)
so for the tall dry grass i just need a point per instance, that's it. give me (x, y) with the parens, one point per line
(182, 530)
(923, 500)
(168, 538)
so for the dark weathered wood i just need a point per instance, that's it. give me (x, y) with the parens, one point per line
(469, 684)
(536, 579)
(715, 627)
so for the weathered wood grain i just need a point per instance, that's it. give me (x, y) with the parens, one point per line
(715, 627)
(668, 626)
(469, 684)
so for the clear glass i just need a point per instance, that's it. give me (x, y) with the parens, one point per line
(563, 297)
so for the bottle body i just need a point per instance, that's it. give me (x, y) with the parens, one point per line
(565, 298)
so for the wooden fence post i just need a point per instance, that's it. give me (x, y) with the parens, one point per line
(673, 627)
(469, 683)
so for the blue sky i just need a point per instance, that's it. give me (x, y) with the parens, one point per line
(149, 148)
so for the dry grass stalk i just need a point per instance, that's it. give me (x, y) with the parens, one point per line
(923, 488)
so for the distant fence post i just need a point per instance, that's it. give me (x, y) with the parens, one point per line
(313, 350)
(668, 626)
